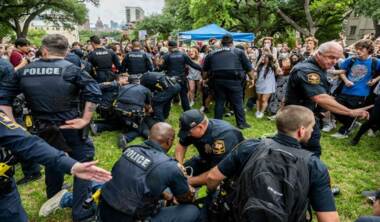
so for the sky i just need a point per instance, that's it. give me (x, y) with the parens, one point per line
(115, 9)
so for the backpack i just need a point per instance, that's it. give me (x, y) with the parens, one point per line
(274, 185)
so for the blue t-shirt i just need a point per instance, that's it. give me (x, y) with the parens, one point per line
(360, 73)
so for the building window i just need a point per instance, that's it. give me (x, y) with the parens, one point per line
(352, 30)
(138, 15)
(128, 15)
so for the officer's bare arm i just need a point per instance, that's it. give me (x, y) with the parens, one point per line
(8, 111)
(198, 180)
(180, 152)
(88, 111)
(80, 123)
(329, 103)
(214, 178)
(328, 216)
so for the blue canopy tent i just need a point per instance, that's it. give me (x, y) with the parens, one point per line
(214, 31)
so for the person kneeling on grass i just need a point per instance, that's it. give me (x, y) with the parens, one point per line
(376, 211)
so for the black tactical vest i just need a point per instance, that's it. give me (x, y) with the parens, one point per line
(225, 59)
(46, 90)
(137, 62)
(132, 94)
(128, 192)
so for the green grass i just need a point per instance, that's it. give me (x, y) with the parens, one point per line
(352, 169)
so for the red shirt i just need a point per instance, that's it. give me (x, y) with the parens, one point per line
(16, 57)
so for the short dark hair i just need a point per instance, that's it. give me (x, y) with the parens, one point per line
(365, 43)
(227, 39)
(56, 44)
(95, 39)
(75, 44)
(21, 42)
(292, 117)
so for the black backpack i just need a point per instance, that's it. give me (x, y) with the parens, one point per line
(274, 185)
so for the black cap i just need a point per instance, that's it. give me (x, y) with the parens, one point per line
(377, 195)
(227, 39)
(172, 43)
(189, 120)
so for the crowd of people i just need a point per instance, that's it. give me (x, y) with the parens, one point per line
(53, 92)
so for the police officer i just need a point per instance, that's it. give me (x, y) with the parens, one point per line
(294, 125)
(174, 64)
(51, 87)
(136, 196)
(19, 142)
(132, 102)
(308, 86)
(110, 121)
(213, 138)
(164, 90)
(30, 169)
(101, 60)
(137, 62)
(225, 69)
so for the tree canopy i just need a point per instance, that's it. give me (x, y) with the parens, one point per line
(320, 18)
(18, 14)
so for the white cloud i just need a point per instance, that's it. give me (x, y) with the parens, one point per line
(115, 9)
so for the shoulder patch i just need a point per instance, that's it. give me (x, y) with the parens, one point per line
(219, 147)
(313, 78)
(6, 121)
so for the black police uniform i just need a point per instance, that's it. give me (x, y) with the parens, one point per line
(139, 177)
(174, 65)
(164, 90)
(51, 88)
(226, 67)
(30, 169)
(306, 80)
(320, 195)
(19, 142)
(130, 105)
(218, 140)
(110, 120)
(101, 60)
(137, 62)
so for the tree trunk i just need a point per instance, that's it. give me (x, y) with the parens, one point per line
(376, 25)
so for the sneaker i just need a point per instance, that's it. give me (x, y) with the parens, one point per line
(123, 143)
(52, 204)
(191, 104)
(335, 191)
(338, 135)
(328, 127)
(244, 126)
(202, 109)
(260, 115)
(28, 179)
(272, 118)
(371, 133)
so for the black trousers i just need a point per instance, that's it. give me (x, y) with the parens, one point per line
(373, 122)
(351, 102)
